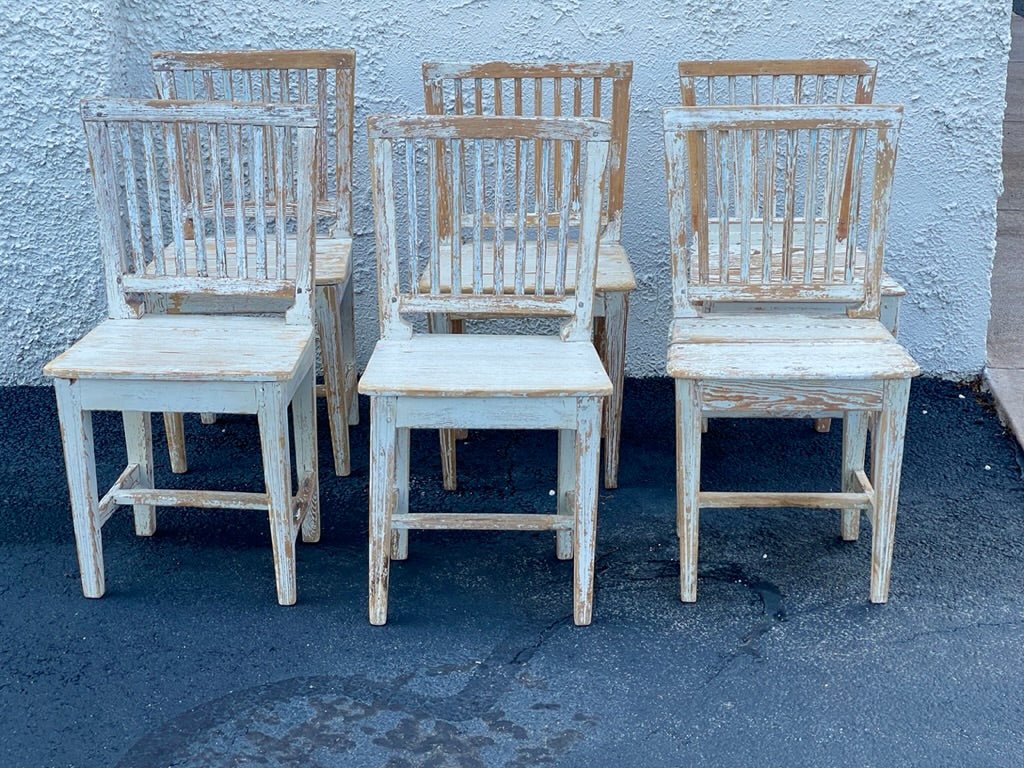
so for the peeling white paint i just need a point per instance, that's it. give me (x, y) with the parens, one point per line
(945, 61)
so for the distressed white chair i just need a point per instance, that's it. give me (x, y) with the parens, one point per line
(785, 364)
(140, 360)
(326, 80)
(581, 89)
(518, 267)
(787, 81)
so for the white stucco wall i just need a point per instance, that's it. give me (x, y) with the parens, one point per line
(946, 61)
(50, 289)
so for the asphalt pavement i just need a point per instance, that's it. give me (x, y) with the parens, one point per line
(189, 661)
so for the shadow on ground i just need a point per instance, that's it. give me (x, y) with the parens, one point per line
(188, 661)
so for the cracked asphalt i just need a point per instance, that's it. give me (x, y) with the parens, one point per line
(188, 661)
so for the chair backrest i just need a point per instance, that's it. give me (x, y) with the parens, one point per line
(501, 262)
(323, 78)
(780, 81)
(713, 157)
(551, 89)
(783, 81)
(141, 171)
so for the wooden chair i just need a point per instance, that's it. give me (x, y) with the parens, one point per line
(752, 165)
(326, 80)
(140, 360)
(598, 90)
(518, 266)
(787, 81)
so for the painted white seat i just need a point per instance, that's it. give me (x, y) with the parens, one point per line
(188, 348)
(554, 88)
(755, 363)
(140, 360)
(438, 365)
(784, 347)
(452, 381)
(325, 79)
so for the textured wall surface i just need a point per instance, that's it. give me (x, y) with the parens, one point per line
(50, 289)
(945, 61)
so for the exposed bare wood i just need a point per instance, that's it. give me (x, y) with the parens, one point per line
(727, 499)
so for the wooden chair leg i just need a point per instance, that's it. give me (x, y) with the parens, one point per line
(688, 439)
(328, 320)
(704, 425)
(822, 425)
(441, 323)
(886, 464)
(208, 418)
(80, 462)
(566, 489)
(304, 429)
(383, 500)
(174, 426)
(458, 325)
(138, 440)
(400, 538)
(272, 410)
(613, 355)
(855, 440)
(348, 349)
(449, 470)
(587, 461)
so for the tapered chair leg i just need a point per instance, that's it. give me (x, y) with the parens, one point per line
(272, 410)
(328, 320)
(688, 446)
(383, 499)
(822, 425)
(584, 540)
(304, 429)
(441, 323)
(566, 489)
(174, 426)
(613, 355)
(80, 460)
(138, 440)
(855, 439)
(207, 418)
(458, 325)
(449, 465)
(886, 464)
(348, 350)
(400, 538)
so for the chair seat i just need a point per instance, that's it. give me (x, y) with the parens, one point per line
(466, 365)
(888, 285)
(188, 348)
(785, 347)
(614, 272)
(333, 257)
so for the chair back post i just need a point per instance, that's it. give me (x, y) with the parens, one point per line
(511, 253)
(580, 325)
(112, 245)
(389, 290)
(881, 194)
(144, 154)
(324, 78)
(731, 169)
(553, 89)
